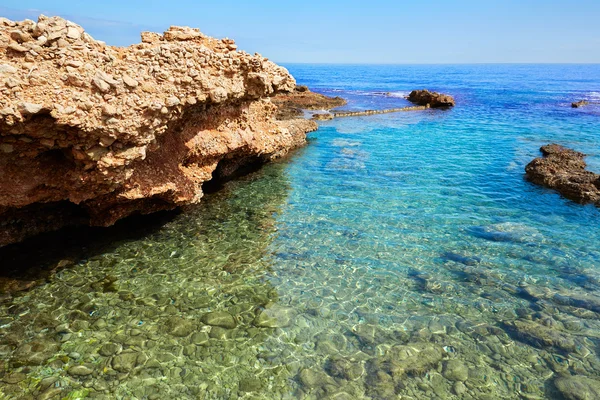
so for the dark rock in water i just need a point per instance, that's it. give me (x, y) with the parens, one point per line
(563, 170)
(540, 336)
(312, 379)
(411, 359)
(178, 326)
(466, 260)
(219, 318)
(250, 385)
(455, 370)
(126, 362)
(434, 99)
(580, 103)
(578, 387)
(339, 367)
(36, 352)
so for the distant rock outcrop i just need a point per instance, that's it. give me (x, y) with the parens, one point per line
(91, 133)
(433, 99)
(563, 170)
(580, 103)
(291, 104)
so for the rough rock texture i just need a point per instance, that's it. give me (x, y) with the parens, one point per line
(91, 133)
(291, 104)
(433, 99)
(563, 170)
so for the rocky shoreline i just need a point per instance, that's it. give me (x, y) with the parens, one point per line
(564, 170)
(91, 133)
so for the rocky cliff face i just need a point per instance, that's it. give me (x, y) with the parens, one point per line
(91, 133)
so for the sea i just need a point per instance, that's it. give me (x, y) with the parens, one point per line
(395, 256)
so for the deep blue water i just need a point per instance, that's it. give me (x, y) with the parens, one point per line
(395, 256)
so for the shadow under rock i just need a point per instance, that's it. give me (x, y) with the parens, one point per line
(25, 264)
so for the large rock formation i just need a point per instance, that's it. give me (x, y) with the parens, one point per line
(563, 170)
(91, 133)
(430, 99)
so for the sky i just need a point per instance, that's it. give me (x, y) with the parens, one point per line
(349, 31)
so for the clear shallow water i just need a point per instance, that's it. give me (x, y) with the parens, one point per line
(396, 256)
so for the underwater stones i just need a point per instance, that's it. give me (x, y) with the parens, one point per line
(251, 384)
(126, 362)
(411, 359)
(462, 259)
(199, 338)
(578, 387)
(311, 378)
(455, 370)
(35, 352)
(459, 388)
(14, 377)
(275, 317)
(343, 368)
(80, 370)
(110, 349)
(505, 232)
(564, 170)
(365, 333)
(540, 336)
(219, 318)
(217, 332)
(178, 326)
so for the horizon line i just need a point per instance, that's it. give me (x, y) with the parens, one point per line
(437, 63)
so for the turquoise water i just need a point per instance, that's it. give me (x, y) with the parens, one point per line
(396, 256)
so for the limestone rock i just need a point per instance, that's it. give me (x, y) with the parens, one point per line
(564, 170)
(291, 104)
(142, 139)
(80, 370)
(433, 99)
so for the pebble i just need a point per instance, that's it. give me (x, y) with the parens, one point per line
(110, 349)
(219, 318)
(80, 370)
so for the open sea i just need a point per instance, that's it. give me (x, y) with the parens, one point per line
(396, 256)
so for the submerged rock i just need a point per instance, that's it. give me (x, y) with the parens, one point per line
(93, 133)
(339, 367)
(219, 318)
(578, 387)
(563, 170)
(455, 370)
(433, 99)
(540, 336)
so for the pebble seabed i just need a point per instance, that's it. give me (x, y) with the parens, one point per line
(218, 303)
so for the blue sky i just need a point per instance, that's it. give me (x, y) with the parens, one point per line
(349, 31)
